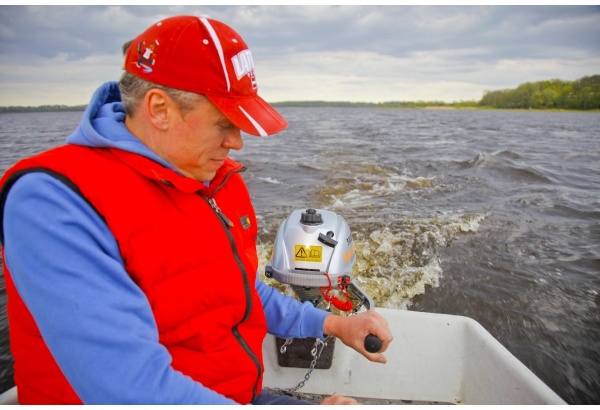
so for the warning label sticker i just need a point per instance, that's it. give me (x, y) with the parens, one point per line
(305, 253)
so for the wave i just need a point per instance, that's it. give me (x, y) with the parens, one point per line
(362, 184)
(505, 164)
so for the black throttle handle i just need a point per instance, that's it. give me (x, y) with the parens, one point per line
(372, 343)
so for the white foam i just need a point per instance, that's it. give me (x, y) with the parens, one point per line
(270, 180)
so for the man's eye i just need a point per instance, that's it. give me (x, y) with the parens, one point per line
(225, 125)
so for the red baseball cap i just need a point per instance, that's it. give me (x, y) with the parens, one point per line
(207, 57)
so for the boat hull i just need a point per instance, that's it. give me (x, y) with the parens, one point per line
(433, 358)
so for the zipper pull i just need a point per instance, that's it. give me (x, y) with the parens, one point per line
(217, 210)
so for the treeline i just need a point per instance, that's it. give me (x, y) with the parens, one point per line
(582, 94)
(428, 104)
(43, 108)
(304, 104)
(388, 104)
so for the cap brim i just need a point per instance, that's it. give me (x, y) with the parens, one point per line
(250, 114)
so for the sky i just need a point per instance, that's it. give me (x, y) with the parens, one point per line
(61, 54)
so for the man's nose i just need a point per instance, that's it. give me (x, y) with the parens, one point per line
(234, 140)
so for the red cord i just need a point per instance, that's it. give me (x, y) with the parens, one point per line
(344, 305)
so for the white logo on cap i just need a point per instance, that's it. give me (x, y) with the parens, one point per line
(242, 63)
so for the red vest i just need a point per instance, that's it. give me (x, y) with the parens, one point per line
(190, 248)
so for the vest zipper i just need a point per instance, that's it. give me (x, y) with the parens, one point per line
(217, 210)
(227, 225)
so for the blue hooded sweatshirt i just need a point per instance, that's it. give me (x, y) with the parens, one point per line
(95, 320)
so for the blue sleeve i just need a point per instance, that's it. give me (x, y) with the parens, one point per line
(288, 317)
(95, 320)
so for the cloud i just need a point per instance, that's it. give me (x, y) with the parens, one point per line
(57, 54)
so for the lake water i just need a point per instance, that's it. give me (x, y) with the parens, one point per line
(494, 215)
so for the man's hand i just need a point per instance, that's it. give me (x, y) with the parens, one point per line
(338, 399)
(352, 331)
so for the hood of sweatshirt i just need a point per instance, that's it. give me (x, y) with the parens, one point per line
(103, 125)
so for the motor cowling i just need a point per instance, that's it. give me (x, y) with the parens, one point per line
(313, 251)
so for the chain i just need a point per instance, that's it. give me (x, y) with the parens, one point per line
(316, 353)
(283, 348)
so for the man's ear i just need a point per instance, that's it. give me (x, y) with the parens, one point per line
(159, 108)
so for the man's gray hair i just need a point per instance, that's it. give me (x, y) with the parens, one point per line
(133, 89)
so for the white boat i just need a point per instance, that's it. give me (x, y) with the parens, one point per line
(9, 397)
(434, 358)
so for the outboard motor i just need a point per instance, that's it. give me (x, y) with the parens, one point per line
(314, 254)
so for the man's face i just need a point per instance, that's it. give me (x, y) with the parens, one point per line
(199, 141)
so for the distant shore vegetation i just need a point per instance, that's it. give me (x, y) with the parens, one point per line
(44, 108)
(581, 95)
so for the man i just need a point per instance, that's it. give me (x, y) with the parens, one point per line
(130, 276)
